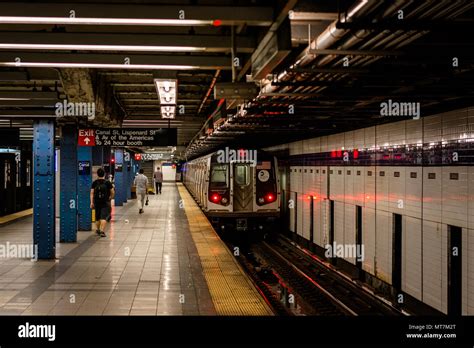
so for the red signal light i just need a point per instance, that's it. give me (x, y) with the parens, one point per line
(112, 160)
(215, 197)
(269, 197)
(217, 22)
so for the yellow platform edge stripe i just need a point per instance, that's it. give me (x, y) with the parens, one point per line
(15, 216)
(230, 297)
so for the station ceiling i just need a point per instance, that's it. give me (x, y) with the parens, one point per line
(321, 66)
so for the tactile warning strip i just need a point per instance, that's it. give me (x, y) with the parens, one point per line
(15, 216)
(231, 290)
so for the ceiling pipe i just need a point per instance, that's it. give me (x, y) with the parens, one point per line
(327, 38)
(331, 35)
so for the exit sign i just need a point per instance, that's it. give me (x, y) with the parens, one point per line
(86, 137)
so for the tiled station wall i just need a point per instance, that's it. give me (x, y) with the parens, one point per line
(404, 168)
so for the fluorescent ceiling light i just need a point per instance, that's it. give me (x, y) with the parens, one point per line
(15, 99)
(168, 111)
(102, 66)
(74, 47)
(166, 90)
(104, 21)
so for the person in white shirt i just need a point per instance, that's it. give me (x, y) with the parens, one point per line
(158, 179)
(141, 184)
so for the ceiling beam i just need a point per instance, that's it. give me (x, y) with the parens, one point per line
(29, 103)
(28, 95)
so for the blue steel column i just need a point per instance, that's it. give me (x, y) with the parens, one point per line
(44, 220)
(120, 193)
(127, 171)
(84, 182)
(68, 185)
(130, 176)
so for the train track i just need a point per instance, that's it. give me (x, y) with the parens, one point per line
(317, 289)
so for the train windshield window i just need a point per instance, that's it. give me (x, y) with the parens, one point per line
(219, 175)
(242, 174)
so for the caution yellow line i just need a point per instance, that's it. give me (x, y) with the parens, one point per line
(231, 290)
(12, 217)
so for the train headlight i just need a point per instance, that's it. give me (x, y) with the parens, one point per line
(261, 200)
(224, 200)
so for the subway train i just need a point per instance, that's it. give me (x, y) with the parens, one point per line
(238, 190)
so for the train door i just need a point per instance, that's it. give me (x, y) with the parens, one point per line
(397, 252)
(243, 187)
(454, 270)
(7, 183)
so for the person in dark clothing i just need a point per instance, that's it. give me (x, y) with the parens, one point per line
(102, 192)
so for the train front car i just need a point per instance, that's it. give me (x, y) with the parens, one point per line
(241, 191)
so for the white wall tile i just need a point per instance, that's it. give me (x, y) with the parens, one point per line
(455, 196)
(349, 228)
(396, 189)
(368, 239)
(383, 246)
(433, 263)
(414, 191)
(432, 194)
(339, 222)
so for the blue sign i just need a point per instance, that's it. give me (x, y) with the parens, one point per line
(84, 168)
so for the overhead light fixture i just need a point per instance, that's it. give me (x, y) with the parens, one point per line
(126, 48)
(105, 21)
(167, 93)
(15, 99)
(166, 90)
(101, 66)
(168, 111)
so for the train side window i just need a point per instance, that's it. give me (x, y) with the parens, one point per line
(219, 175)
(242, 174)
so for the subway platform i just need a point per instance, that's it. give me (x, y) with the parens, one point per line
(167, 261)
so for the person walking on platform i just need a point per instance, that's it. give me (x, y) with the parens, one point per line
(158, 178)
(141, 184)
(102, 192)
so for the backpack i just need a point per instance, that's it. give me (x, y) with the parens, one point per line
(101, 192)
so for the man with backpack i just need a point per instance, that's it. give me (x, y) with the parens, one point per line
(141, 184)
(102, 191)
